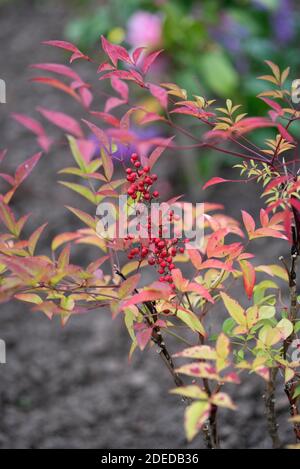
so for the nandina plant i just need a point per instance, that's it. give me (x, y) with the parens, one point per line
(189, 279)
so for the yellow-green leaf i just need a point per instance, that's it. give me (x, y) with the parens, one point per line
(195, 416)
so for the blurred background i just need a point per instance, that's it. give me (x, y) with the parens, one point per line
(74, 387)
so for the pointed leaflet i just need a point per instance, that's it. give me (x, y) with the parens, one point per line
(64, 121)
(160, 94)
(221, 399)
(60, 69)
(101, 136)
(222, 351)
(249, 223)
(149, 59)
(34, 126)
(84, 217)
(203, 352)
(63, 238)
(157, 152)
(56, 84)
(33, 239)
(129, 285)
(193, 391)
(77, 54)
(115, 52)
(190, 318)
(234, 309)
(154, 292)
(196, 415)
(24, 169)
(248, 277)
(215, 180)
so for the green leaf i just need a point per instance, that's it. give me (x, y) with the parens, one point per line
(267, 312)
(297, 327)
(108, 165)
(296, 392)
(193, 391)
(85, 217)
(76, 153)
(191, 320)
(218, 72)
(82, 190)
(228, 326)
(195, 416)
(234, 309)
(285, 327)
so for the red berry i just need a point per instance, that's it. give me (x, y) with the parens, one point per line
(156, 194)
(181, 250)
(128, 170)
(163, 264)
(130, 191)
(134, 156)
(161, 271)
(171, 266)
(161, 244)
(169, 259)
(134, 196)
(151, 261)
(144, 251)
(147, 196)
(173, 251)
(154, 177)
(137, 164)
(146, 169)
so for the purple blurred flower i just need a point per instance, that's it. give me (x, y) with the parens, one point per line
(283, 23)
(144, 29)
(124, 152)
(231, 35)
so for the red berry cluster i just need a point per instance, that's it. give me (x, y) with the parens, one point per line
(141, 180)
(159, 251)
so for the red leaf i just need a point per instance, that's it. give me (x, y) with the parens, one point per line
(104, 67)
(107, 118)
(215, 180)
(195, 257)
(56, 84)
(143, 335)
(120, 87)
(59, 69)
(157, 152)
(136, 54)
(31, 124)
(25, 168)
(112, 103)
(160, 94)
(248, 222)
(149, 59)
(285, 134)
(34, 126)
(195, 287)
(248, 276)
(64, 121)
(77, 54)
(154, 292)
(101, 136)
(115, 52)
(273, 105)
